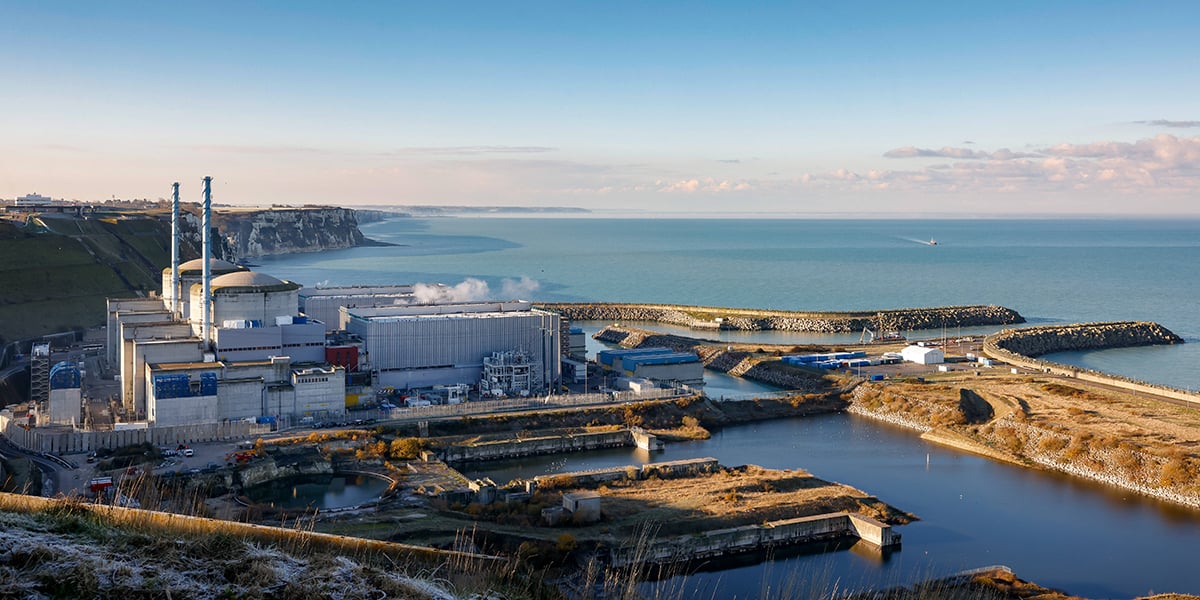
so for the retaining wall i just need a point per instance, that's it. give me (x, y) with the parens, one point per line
(513, 448)
(747, 538)
(64, 441)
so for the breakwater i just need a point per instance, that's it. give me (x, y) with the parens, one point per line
(1021, 347)
(773, 534)
(742, 319)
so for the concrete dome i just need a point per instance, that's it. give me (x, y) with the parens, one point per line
(251, 280)
(217, 265)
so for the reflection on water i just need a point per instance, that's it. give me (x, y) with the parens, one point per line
(319, 491)
(1059, 531)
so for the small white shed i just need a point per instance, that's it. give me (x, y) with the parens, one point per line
(923, 355)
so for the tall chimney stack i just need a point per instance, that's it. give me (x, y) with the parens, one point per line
(175, 300)
(206, 302)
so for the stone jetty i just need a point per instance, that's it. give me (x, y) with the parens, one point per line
(1036, 341)
(741, 319)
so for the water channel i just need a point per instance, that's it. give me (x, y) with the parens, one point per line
(1062, 532)
(319, 491)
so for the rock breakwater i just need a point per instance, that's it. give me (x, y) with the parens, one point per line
(740, 319)
(1036, 341)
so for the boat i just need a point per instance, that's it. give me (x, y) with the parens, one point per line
(932, 242)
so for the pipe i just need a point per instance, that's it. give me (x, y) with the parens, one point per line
(176, 302)
(206, 292)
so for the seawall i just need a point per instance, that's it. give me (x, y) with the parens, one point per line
(515, 448)
(742, 319)
(1021, 347)
(723, 542)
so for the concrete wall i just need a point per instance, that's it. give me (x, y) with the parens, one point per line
(532, 446)
(722, 542)
(254, 343)
(320, 391)
(241, 398)
(113, 330)
(169, 412)
(133, 382)
(304, 342)
(64, 441)
(65, 406)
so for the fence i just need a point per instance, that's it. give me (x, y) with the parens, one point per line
(58, 440)
(65, 441)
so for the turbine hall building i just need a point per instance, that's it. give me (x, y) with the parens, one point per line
(440, 344)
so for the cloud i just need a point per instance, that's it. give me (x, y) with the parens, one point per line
(264, 149)
(730, 161)
(474, 150)
(951, 152)
(706, 185)
(1166, 123)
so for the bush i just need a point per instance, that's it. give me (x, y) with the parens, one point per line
(566, 543)
(406, 448)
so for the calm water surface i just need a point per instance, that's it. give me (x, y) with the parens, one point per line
(320, 492)
(1085, 538)
(1061, 532)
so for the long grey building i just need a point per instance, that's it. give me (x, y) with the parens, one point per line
(439, 344)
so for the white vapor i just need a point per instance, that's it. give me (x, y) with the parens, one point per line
(474, 290)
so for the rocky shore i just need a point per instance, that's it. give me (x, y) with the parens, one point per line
(739, 319)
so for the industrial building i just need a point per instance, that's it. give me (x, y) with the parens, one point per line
(660, 365)
(220, 343)
(66, 400)
(430, 344)
(923, 355)
(223, 342)
(323, 303)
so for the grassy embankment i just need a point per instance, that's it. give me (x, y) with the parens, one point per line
(57, 280)
(1127, 439)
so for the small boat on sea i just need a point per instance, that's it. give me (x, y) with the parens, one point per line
(932, 242)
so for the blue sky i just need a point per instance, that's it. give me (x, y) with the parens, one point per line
(952, 108)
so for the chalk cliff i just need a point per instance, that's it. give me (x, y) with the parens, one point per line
(249, 234)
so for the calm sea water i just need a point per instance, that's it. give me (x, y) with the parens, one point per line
(1059, 531)
(1050, 271)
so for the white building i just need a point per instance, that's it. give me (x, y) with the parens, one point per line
(923, 355)
(434, 344)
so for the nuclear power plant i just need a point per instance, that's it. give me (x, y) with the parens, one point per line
(222, 342)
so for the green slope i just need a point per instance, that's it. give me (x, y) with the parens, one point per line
(57, 280)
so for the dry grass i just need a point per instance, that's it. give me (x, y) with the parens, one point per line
(733, 497)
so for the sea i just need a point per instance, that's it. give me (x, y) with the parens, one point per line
(1051, 271)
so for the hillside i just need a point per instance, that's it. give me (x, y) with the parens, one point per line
(57, 274)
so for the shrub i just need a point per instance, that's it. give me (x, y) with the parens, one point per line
(405, 448)
(566, 543)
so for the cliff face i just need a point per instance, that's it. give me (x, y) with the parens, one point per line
(249, 234)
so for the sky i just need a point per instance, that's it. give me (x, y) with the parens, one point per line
(795, 108)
